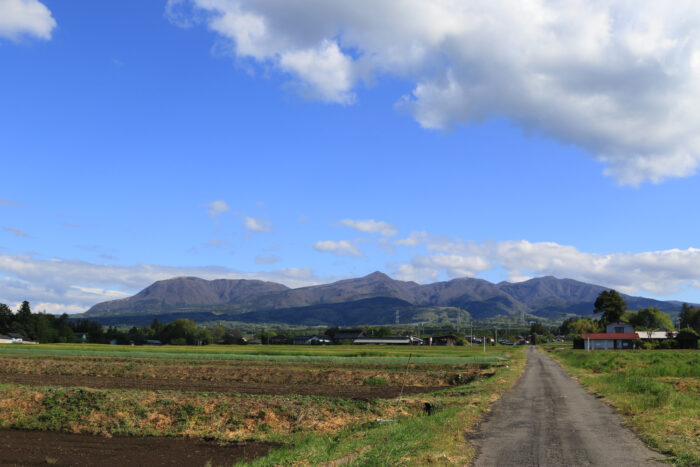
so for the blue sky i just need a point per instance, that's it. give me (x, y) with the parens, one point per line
(144, 140)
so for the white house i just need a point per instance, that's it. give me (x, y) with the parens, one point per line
(616, 336)
(11, 338)
(657, 334)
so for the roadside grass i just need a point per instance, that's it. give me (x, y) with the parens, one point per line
(416, 438)
(658, 392)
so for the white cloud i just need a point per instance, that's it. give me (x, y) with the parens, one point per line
(217, 243)
(59, 285)
(340, 248)
(218, 207)
(657, 272)
(257, 225)
(324, 72)
(371, 226)
(414, 239)
(266, 259)
(5, 202)
(25, 18)
(617, 78)
(16, 232)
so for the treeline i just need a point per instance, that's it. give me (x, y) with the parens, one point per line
(38, 327)
(47, 328)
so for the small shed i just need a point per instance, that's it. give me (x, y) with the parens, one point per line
(448, 339)
(280, 340)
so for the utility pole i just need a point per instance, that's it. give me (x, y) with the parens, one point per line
(471, 332)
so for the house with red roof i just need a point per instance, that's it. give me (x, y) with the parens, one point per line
(616, 336)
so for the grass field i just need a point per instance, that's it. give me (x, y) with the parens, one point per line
(212, 402)
(657, 391)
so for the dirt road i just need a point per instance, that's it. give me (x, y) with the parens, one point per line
(548, 419)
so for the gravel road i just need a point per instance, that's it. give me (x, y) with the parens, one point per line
(548, 419)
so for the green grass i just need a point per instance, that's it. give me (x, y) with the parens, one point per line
(658, 392)
(281, 353)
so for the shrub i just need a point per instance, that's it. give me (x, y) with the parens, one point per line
(577, 340)
(375, 381)
(668, 344)
(687, 339)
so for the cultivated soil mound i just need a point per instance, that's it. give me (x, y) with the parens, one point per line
(19, 447)
(327, 390)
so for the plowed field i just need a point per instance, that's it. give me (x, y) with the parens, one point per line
(106, 382)
(19, 447)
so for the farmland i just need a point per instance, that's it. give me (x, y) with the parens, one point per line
(657, 391)
(301, 402)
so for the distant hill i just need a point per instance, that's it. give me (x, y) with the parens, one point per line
(372, 299)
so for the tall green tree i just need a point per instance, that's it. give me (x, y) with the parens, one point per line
(537, 328)
(5, 317)
(648, 319)
(690, 317)
(611, 306)
(24, 312)
(579, 326)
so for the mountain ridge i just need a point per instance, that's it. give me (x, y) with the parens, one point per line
(547, 297)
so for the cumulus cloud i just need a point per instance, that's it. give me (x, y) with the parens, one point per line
(414, 239)
(617, 78)
(16, 232)
(371, 226)
(339, 248)
(658, 272)
(257, 225)
(218, 207)
(59, 285)
(20, 18)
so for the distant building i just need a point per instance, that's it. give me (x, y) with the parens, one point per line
(312, 340)
(657, 334)
(5, 339)
(280, 340)
(14, 338)
(347, 335)
(616, 336)
(449, 339)
(392, 340)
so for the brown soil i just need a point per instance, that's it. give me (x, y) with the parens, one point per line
(328, 390)
(227, 372)
(34, 448)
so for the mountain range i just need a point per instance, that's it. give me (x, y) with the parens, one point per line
(372, 299)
